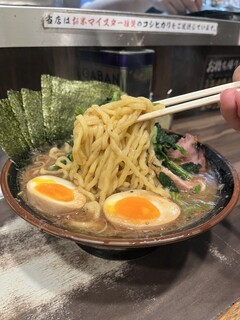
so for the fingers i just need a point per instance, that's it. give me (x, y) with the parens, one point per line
(199, 4)
(173, 6)
(236, 74)
(192, 5)
(169, 6)
(230, 103)
(230, 107)
(178, 6)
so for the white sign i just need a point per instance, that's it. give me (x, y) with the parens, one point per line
(127, 23)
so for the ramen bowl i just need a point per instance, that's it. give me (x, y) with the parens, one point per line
(113, 247)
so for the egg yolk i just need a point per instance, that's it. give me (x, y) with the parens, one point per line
(55, 191)
(136, 208)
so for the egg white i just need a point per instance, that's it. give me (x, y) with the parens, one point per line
(169, 211)
(48, 205)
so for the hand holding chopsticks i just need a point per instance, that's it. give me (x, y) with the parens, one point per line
(189, 101)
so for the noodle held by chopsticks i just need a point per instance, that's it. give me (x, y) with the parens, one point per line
(111, 151)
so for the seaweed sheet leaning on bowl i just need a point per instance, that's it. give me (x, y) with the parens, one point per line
(15, 99)
(62, 99)
(29, 119)
(12, 140)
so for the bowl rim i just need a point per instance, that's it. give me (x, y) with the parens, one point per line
(111, 242)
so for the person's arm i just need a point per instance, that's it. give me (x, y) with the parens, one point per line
(178, 6)
(169, 6)
(119, 5)
(230, 104)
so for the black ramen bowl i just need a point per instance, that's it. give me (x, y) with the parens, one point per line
(130, 248)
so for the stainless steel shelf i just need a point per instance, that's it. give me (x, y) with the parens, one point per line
(26, 27)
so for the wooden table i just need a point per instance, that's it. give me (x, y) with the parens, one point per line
(44, 277)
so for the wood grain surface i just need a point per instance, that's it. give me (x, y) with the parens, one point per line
(232, 312)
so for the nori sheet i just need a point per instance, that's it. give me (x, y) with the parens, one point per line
(46, 89)
(30, 119)
(61, 98)
(32, 105)
(15, 99)
(12, 140)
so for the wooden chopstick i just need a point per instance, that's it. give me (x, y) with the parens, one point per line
(198, 94)
(189, 101)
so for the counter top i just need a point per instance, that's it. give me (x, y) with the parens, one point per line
(44, 277)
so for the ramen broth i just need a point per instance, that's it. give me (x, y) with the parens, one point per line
(89, 221)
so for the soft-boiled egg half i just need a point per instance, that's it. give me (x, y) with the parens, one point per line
(53, 195)
(140, 209)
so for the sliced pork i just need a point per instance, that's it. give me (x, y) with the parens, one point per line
(184, 184)
(194, 154)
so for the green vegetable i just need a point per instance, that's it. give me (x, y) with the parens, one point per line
(168, 141)
(176, 197)
(176, 169)
(53, 167)
(167, 182)
(116, 96)
(160, 154)
(191, 209)
(163, 141)
(191, 167)
(197, 189)
(69, 155)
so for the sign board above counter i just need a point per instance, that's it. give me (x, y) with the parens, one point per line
(122, 23)
(22, 26)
